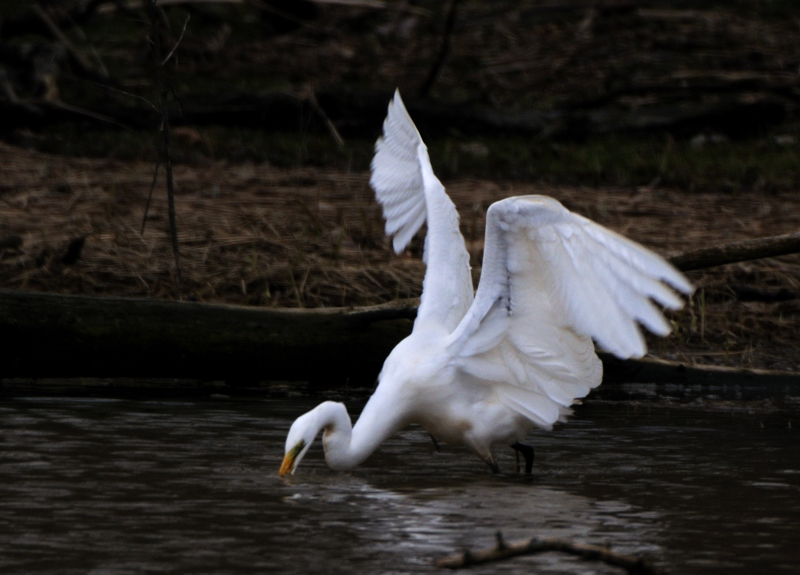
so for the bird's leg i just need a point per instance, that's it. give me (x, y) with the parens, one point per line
(492, 462)
(483, 453)
(488, 457)
(527, 452)
(435, 444)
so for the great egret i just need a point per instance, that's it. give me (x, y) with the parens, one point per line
(484, 370)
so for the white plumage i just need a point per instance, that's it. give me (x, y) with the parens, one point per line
(483, 371)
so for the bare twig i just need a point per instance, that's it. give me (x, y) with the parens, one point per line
(124, 93)
(7, 89)
(84, 112)
(79, 59)
(737, 252)
(311, 98)
(164, 90)
(59, 35)
(82, 34)
(506, 550)
(449, 22)
(178, 43)
(150, 194)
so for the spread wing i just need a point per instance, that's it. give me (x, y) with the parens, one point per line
(551, 282)
(410, 193)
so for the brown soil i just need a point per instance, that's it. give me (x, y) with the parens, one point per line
(257, 235)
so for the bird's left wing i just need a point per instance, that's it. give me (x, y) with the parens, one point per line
(551, 282)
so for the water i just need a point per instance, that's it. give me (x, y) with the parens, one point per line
(111, 486)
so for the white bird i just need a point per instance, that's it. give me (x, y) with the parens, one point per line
(485, 370)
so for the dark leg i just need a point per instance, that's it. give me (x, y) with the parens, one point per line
(435, 443)
(527, 452)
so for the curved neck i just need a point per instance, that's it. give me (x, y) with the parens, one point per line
(347, 446)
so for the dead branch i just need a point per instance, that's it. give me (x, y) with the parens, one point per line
(61, 16)
(444, 48)
(164, 90)
(150, 195)
(79, 60)
(503, 551)
(178, 43)
(737, 252)
(311, 98)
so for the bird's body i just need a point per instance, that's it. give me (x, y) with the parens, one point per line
(485, 369)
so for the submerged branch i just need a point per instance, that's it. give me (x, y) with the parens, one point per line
(503, 551)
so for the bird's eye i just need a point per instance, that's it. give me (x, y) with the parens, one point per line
(298, 448)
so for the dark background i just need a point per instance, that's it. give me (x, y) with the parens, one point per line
(699, 95)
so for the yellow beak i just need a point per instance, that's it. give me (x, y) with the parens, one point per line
(288, 463)
(291, 458)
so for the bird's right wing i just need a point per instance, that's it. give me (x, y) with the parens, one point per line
(410, 194)
(551, 282)
(397, 176)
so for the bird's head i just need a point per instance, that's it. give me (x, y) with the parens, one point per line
(301, 435)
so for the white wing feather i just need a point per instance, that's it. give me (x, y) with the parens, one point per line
(397, 176)
(410, 193)
(551, 281)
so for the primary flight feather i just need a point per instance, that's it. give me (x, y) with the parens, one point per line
(483, 370)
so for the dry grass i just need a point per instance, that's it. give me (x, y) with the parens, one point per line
(253, 234)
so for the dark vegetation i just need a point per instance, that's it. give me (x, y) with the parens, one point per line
(695, 94)
(675, 123)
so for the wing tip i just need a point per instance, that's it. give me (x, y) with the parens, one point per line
(398, 243)
(680, 282)
(397, 100)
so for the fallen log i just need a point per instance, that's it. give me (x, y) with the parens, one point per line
(673, 378)
(737, 252)
(53, 335)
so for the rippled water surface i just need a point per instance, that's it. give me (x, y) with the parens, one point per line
(191, 486)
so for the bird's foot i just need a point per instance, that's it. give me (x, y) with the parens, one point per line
(435, 444)
(527, 452)
(491, 462)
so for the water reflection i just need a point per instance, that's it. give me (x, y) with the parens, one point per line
(191, 486)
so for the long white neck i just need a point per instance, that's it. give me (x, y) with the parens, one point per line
(347, 446)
